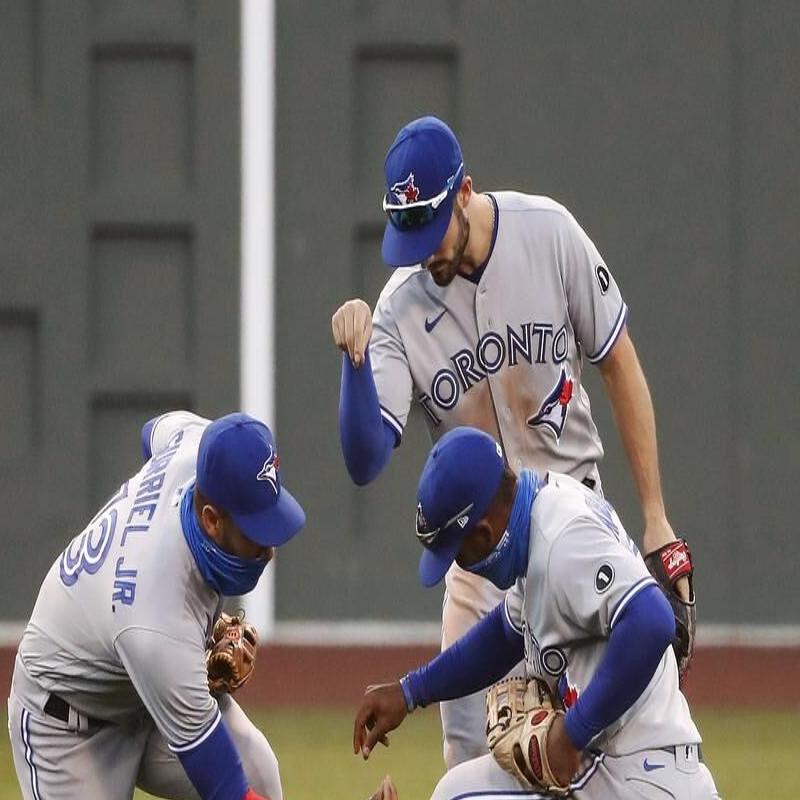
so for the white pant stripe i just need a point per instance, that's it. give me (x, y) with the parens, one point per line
(503, 794)
(26, 739)
(582, 780)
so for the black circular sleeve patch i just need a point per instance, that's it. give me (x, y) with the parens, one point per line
(554, 661)
(604, 578)
(603, 278)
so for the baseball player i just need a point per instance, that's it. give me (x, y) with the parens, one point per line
(600, 714)
(499, 299)
(110, 687)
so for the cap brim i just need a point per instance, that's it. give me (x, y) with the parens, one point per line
(274, 526)
(433, 564)
(407, 248)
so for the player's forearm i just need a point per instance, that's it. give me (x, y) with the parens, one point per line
(366, 440)
(213, 765)
(635, 647)
(477, 660)
(632, 406)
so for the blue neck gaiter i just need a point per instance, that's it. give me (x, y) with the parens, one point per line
(227, 574)
(509, 559)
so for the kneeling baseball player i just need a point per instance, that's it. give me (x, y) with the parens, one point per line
(123, 674)
(599, 714)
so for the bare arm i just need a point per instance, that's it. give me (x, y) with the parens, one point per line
(627, 391)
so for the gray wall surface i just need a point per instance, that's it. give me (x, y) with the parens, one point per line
(119, 250)
(670, 129)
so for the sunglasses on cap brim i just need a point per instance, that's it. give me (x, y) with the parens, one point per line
(408, 216)
(428, 536)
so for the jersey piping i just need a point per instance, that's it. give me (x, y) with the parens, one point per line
(628, 596)
(393, 422)
(197, 741)
(614, 335)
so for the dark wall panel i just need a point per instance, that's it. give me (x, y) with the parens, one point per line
(115, 128)
(765, 323)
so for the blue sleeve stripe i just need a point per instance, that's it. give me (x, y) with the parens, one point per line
(197, 741)
(615, 332)
(628, 596)
(147, 438)
(510, 621)
(392, 421)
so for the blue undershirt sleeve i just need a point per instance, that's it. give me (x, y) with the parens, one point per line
(478, 659)
(213, 765)
(367, 440)
(147, 430)
(640, 635)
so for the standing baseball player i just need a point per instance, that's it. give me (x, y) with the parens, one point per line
(112, 681)
(600, 714)
(499, 299)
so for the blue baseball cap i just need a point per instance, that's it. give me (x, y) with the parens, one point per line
(238, 470)
(423, 171)
(456, 488)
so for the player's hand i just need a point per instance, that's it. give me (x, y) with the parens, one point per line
(657, 533)
(352, 329)
(382, 710)
(563, 756)
(386, 791)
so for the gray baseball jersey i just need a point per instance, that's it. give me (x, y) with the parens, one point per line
(505, 354)
(583, 570)
(121, 620)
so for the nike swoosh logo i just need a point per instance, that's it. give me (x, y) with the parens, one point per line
(431, 324)
(650, 767)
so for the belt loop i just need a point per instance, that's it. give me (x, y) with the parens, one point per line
(78, 721)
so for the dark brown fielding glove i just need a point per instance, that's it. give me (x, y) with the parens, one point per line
(668, 565)
(231, 656)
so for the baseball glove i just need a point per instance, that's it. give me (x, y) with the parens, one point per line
(668, 565)
(231, 655)
(518, 719)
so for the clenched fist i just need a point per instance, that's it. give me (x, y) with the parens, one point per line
(352, 329)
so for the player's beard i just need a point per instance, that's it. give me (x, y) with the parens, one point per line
(443, 270)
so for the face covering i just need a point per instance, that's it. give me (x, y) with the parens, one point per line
(509, 558)
(224, 572)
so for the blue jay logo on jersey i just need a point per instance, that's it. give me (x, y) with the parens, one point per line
(552, 414)
(567, 691)
(269, 472)
(405, 191)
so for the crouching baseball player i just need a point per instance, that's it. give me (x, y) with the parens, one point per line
(599, 713)
(123, 672)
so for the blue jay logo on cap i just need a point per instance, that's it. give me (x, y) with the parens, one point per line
(406, 191)
(269, 472)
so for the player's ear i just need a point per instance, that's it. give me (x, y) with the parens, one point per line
(212, 522)
(464, 191)
(485, 538)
